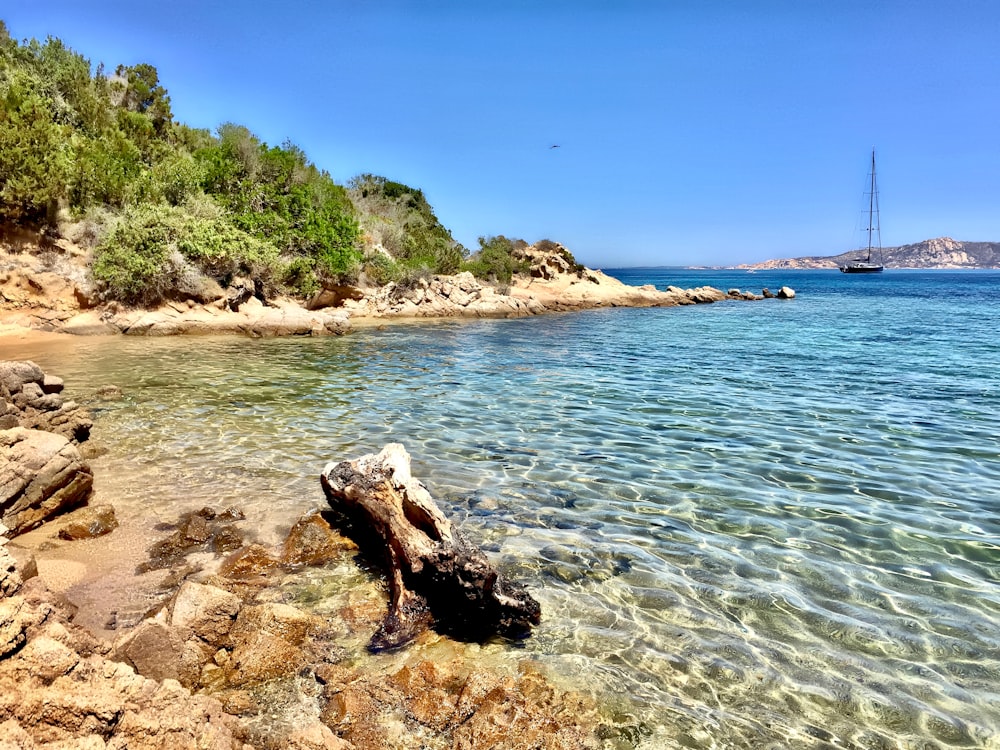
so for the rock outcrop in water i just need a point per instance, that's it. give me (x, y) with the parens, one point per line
(42, 473)
(434, 574)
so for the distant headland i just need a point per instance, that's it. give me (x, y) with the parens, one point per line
(940, 253)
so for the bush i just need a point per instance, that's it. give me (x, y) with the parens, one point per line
(381, 269)
(495, 260)
(299, 277)
(150, 250)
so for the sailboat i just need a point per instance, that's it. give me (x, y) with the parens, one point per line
(866, 265)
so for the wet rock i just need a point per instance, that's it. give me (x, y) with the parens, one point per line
(311, 541)
(226, 539)
(41, 475)
(89, 522)
(250, 562)
(262, 657)
(52, 384)
(268, 641)
(200, 530)
(464, 708)
(32, 399)
(232, 513)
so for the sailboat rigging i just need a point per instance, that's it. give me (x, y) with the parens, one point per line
(866, 265)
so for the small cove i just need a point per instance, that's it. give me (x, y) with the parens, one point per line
(749, 524)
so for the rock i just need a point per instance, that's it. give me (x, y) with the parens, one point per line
(14, 375)
(195, 531)
(89, 522)
(261, 658)
(109, 393)
(10, 576)
(250, 562)
(316, 736)
(153, 649)
(311, 541)
(239, 292)
(41, 475)
(52, 384)
(283, 621)
(207, 611)
(33, 399)
(334, 296)
(786, 292)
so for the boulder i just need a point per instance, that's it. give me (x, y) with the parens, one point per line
(153, 649)
(207, 611)
(41, 475)
(89, 522)
(334, 296)
(32, 399)
(10, 576)
(786, 292)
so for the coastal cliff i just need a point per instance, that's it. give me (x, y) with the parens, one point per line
(938, 253)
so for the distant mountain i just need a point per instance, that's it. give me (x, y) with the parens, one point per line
(942, 252)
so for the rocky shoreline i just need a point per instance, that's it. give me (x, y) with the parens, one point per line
(40, 293)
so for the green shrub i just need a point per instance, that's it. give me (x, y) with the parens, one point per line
(152, 248)
(381, 269)
(300, 278)
(495, 260)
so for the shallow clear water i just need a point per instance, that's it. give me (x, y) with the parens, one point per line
(766, 524)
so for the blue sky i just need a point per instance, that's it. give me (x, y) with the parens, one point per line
(697, 132)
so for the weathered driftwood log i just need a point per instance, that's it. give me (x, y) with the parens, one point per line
(435, 576)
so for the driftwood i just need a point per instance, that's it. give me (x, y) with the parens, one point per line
(435, 576)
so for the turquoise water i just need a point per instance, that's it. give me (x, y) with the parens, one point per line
(765, 524)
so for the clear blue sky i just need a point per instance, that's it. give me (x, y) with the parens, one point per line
(689, 132)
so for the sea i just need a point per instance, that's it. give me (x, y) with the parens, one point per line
(750, 524)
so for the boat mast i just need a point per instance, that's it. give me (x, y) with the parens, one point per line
(871, 208)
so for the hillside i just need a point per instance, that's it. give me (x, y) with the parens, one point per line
(165, 212)
(942, 252)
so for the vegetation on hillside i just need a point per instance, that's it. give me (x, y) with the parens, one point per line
(169, 210)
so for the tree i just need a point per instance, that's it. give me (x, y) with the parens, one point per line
(34, 153)
(145, 95)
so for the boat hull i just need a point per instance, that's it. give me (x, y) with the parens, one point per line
(861, 268)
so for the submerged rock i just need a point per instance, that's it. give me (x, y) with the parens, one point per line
(89, 522)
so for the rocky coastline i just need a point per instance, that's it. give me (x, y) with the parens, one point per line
(50, 292)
